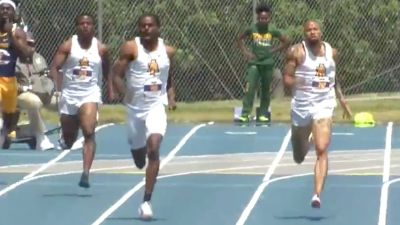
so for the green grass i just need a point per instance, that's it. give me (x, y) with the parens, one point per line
(383, 110)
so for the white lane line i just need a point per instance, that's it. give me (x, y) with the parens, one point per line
(384, 201)
(246, 212)
(385, 175)
(137, 187)
(387, 153)
(241, 132)
(41, 169)
(342, 134)
(77, 145)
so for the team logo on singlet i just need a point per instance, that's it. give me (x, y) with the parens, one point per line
(320, 81)
(320, 71)
(153, 67)
(83, 70)
(262, 39)
(153, 85)
(5, 57)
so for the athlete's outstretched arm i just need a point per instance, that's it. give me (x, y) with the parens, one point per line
(127, 54)
(105, 60)
(58, 61)
(170, 85)
(290, 68)
(339, 94)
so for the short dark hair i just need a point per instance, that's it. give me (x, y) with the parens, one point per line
(152, 15)
(77, 18)
(263, 7)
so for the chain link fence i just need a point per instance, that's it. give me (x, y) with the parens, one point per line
(209, 65)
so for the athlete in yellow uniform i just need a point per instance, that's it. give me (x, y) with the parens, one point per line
(12, 45)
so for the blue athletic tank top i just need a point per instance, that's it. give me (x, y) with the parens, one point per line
(8, 56)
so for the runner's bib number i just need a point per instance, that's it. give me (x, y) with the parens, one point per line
(152, 87)
(82, 74)
(320, 84)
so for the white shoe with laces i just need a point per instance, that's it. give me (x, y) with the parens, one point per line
(315, 201)
(145, 211)
(43, 143)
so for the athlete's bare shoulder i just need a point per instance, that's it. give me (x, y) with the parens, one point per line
(128, 50)
(65, 47)
(335, 54)
(130, 44)
(295, 53)
(170, 51)
(103, 49)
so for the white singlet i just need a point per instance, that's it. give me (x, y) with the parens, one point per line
(314, 93)
(82, 76)
(147, 77)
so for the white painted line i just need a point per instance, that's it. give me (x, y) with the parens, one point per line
(266, 183)
(20, 182)
(241, 132)
(47, 165)
(78, 144)
(385, 175)
(387, 153)
(384, 201)
(342, 134)
(137, 187)
(246, 212)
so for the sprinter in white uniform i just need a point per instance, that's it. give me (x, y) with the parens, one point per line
(83, 61)
(145, 62)
(310, 72)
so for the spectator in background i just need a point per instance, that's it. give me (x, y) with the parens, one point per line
(260, 65)
(34, 91)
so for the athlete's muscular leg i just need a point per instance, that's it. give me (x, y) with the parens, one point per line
(88, 121)
(139, 157)
(69, 128)
(300, 142)
(321, 131)
(153, 155)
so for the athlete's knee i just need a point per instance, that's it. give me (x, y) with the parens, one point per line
(69, 139)
(88, 134)
(321, 147)
(300, 149)
(299, 154)
(153, 146)
(139, 157)
(153, 155)
(154, 142)
(298, 158)
(321, 152)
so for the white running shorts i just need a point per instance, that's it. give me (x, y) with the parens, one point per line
(142, 124)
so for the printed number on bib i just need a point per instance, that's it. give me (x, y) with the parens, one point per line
(152, 87)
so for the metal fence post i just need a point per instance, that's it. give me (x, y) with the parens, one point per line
(100, 19)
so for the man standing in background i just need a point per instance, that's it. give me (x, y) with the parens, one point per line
(260, 64)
